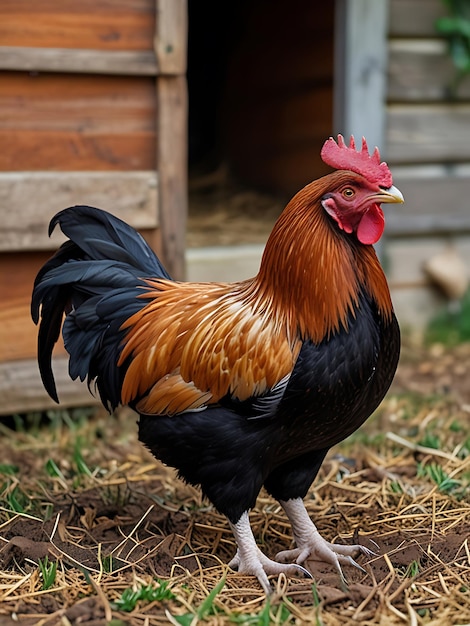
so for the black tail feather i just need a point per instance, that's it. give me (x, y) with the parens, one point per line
(100, 235)
(95, 279)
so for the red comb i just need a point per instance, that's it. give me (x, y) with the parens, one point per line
(343, 157)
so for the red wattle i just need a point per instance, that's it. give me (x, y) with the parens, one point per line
(371, 226)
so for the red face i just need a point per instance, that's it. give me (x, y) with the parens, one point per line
(355, 206)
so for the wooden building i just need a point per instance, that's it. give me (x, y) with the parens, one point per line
(377, 68)
(93, 110)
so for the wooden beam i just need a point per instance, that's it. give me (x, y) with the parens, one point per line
(172, 169)
(361, 69)
(171, 36)
(123, 62)
(37, 196)
(171, 149)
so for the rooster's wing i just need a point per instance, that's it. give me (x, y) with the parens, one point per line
(196, 343)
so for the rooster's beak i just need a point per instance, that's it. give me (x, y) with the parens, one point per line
(390, 195)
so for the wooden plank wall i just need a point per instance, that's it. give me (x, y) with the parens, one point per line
(92, 111)
(428, 147)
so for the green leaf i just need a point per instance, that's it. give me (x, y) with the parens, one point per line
(80, 462)
(53, 470)
(207, 605)
(48, 571)
(453, 26)
(8, 469)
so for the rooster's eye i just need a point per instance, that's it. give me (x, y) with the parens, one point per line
(348, 192)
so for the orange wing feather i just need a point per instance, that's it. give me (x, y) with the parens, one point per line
(193, 343)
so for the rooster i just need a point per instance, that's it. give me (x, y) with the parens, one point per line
(238, 385)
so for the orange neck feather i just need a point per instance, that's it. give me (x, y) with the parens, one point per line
(311, 273)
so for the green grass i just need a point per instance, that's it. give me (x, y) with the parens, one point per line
(131, 597)
(440, 477)
(8, 469)
(205, 609)
(53, 470)
(396, 486)
(79, 459)
(450, 328)
(430, 440)
(48, 570)
(413, 569)
(15, 500)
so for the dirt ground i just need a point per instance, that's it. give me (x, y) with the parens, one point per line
(83, 492)
(135, 546)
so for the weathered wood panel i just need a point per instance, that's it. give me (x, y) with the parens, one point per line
(414, 18)
(428, 223)
(85, 117)
(29, 199)
(223, 263)
(94, 24)
(405, 257)
(74, 149)
(428, 133)
(415, 298)
(422, 70)
(77, 122)
(415, 306)
(435, 200)
(123, 62)
(21, 389)
(18, 335)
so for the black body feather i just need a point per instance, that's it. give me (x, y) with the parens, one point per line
(333, 389)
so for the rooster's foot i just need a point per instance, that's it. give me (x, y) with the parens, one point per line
(318, 549)
(250, 560)
(312, 546)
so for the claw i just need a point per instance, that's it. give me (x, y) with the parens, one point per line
(355, 564)
(376, 545)
(366, 551)
(304, 571)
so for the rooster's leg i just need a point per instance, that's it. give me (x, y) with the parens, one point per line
(250, 560)
(312, 546)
